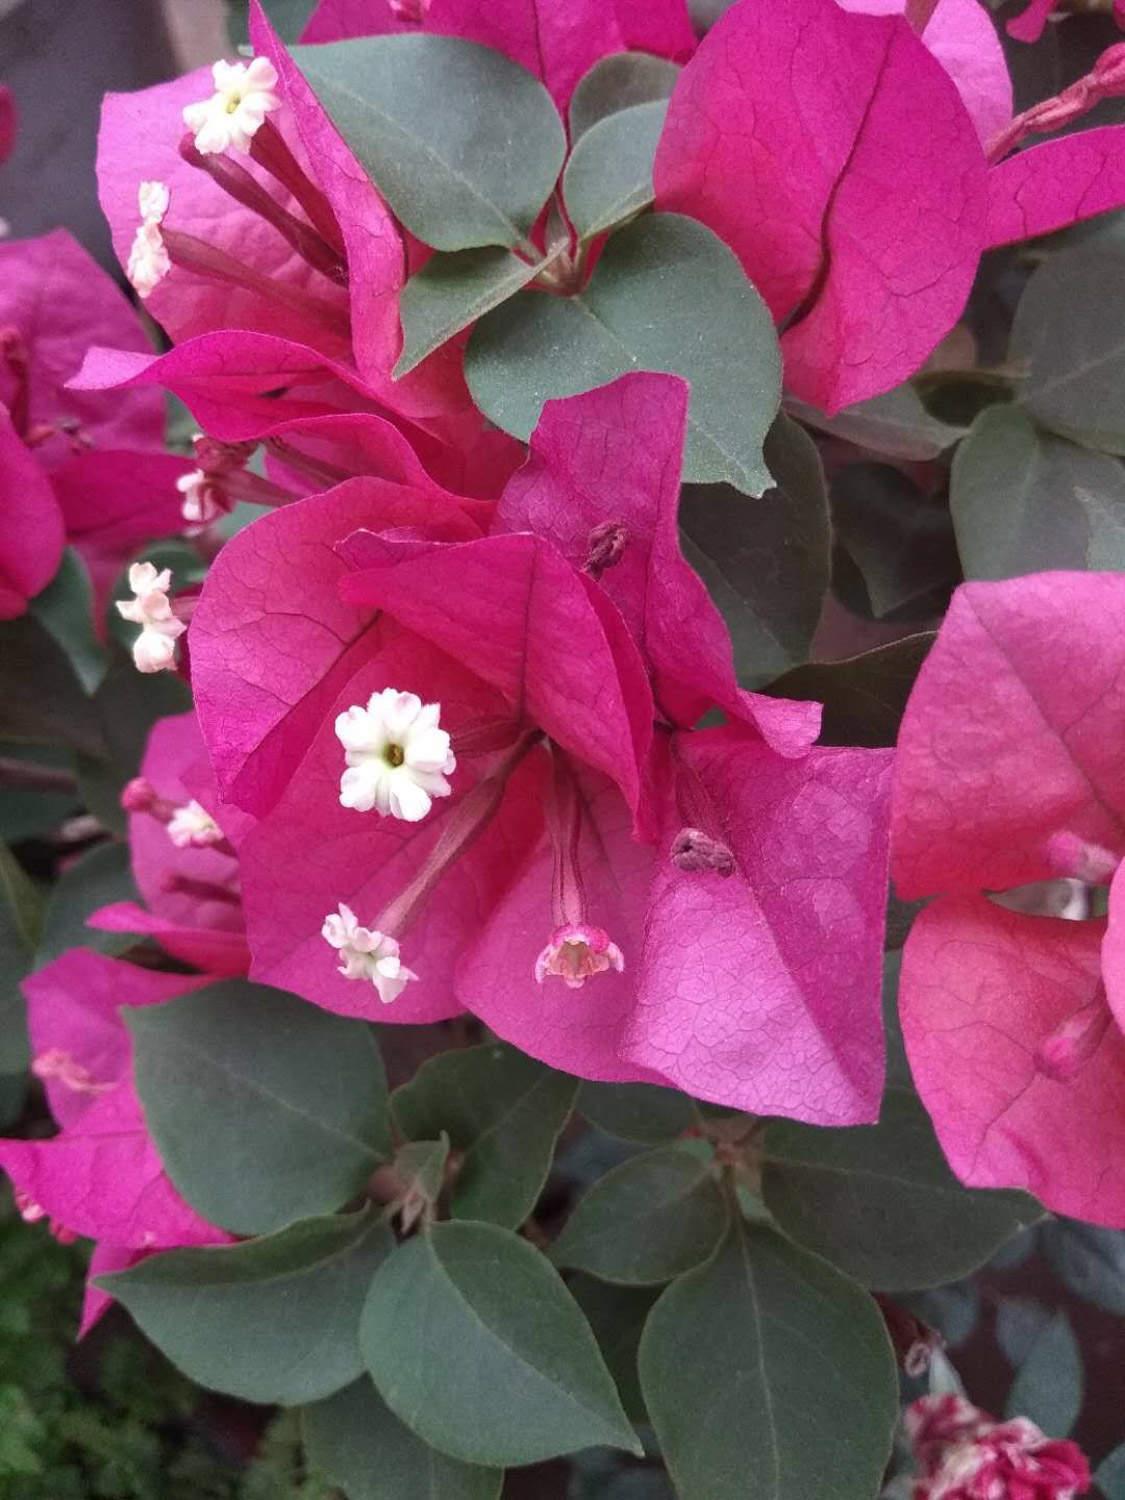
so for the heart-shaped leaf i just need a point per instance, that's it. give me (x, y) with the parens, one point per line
(880, 1202)
(769, 1376)
(618, 82)
(608, 178)
(1024, 501)
(666, 295)
(464, 144)
(359, 1444)
(502, 1368)
(647, 1221)
(895, 425)
(264, 1109)
(503, 1111)
(270, 1320)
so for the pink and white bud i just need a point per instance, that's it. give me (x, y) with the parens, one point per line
(245, 93)
(154, 650)
(204, 501)
(1080, 859)
(962, 1454)
(27, 1208)
(397, 756)
(1062, 1055)
(61, 1067)
(577, 952)
(366, 954)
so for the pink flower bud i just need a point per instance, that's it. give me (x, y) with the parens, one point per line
(695, 851)
(605, 545)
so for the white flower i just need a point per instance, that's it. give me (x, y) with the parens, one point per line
(154, 650)
(366, 954)
(244, 95)
(193, 827)
(202, 498)
(149, 261)
(397, 757)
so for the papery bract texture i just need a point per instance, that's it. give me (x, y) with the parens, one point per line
(557, 40)
(101, 1176)
(861, 230)
(1056, 183)
(542, 643)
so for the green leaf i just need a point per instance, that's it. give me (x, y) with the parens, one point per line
(899, 539)
(44, 700)
(1048, 1384)
(667, 295)
(269, 1320)
(502, 1367)
(880, 1202)
(504, 1111)
(453, 290)
(65, 609)
(864, 696)
(21, 920)
(289, 17)
(1071, 337)
(1090, 1260)
(647, 1221)
(619, 82)
(617, 1314)
(264, 1108)
(608, 178)
(1110, 1476)
(97, 878)
(1024, 501)
(769, 1376)
(464, 144)
(642, 1112)
(126, 706)
(766, 565)
(895, 425)
(357, 1441)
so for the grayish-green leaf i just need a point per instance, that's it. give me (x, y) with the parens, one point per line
(21, 921)
(65, 608)
(502, 1368)
(97, 878)
(264, 1108)
(642, 1112)
(1110, 1476)
(769, 1376)
(880, 1202)
(358, 1443)
(504, 1111)
(864, 696)
(269, 1320)
(453, 290)
(617, 1314)
(647, 1221)
(608, 178)
(667, 294)
(899, 538)
(896, 425)
(617, 82)
(44, 700)
(464, 144)
(1089, 1259)
(1023, 501)
(1071, 338)
(1019, 1322)
(766, 565)
(1048, 1385)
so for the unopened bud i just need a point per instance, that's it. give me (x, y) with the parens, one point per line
(695, 851)
(1062, 1054)
(604, 547)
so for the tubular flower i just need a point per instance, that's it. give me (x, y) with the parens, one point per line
(1009, 773)
(154, 650)
(693, 890)
(245, 93)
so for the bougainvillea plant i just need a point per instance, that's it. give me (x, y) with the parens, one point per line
(476, 964)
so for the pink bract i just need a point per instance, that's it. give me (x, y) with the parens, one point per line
(80, 466)
(191, 894)
(1008, 772)
(557, 40)
(101, 1176)
(543, 642)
